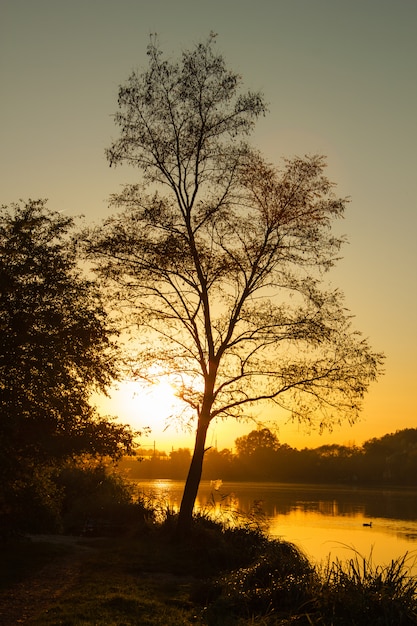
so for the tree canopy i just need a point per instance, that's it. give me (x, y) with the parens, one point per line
(56, 348)
(219, 256)
(257, 441)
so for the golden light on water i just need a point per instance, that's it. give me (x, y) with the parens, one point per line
(323, 524)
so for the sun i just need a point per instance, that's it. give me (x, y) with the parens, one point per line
(141, 406)
(146, 405)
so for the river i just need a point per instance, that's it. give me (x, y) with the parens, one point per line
(324, 521)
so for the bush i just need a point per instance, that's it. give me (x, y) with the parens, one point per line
(32, 503)
(98, 501)
(279, 580)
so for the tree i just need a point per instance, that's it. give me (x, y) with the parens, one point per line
(257, 454)
(56, 348)
(257, 440)
(219, 256)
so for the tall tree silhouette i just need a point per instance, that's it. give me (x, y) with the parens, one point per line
(219, 257)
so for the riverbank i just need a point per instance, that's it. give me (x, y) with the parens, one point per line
(218, 577)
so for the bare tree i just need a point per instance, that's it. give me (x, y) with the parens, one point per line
(219, 256)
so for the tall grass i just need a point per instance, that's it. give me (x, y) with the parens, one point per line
(357, 591)
(282, 588)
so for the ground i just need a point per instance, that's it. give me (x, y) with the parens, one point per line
(82, 580)
(30, 597)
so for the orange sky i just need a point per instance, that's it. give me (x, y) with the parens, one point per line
(339, 78)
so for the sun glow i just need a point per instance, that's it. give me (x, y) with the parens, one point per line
(155, 405)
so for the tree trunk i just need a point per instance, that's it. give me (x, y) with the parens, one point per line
(189, 496)
(193, 480)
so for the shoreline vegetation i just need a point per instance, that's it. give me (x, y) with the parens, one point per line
(222, 575)
(390, 460)
(113, 558)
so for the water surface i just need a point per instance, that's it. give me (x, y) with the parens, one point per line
(323, 520)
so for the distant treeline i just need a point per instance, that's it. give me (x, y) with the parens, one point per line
(389, 460)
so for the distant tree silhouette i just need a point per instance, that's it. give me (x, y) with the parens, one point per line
(219, 256)
(392, 458)
(278, 462)
(259, 440)
(220, 464)
(180, 462)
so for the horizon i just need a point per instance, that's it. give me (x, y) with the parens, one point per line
(140, 449)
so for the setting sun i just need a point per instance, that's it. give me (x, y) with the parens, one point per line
(155, 405)
(148, 405)
(158, 407)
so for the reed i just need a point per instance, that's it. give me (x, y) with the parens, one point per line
(357, 591)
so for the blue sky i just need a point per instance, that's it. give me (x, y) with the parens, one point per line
(340, 80)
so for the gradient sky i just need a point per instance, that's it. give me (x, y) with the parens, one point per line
(340, 80)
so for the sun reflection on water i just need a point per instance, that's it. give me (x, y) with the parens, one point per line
(322, 528)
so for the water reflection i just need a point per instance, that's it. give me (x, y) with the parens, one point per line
(321, 520)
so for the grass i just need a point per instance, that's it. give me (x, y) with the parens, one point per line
(223, 575)
(111, 589)
(379, 595)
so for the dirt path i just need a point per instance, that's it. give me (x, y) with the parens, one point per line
(28, 598)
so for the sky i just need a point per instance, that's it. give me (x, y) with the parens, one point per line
(339, 79)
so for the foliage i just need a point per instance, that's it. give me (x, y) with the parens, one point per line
(214, 544)
(258, 441)
(94, 494)
(32, 503)
(220, 258)
(223, 576)
(282, 588)
(56, 348)
(278, 582)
